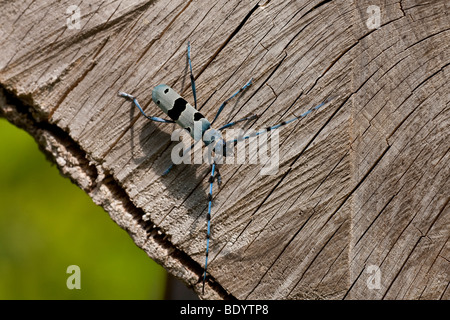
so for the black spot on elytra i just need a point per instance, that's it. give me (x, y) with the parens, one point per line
(178, 107)
(198, 116)
(167, 90)
(221, 151)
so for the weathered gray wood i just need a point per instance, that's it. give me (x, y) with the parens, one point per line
(363, 182)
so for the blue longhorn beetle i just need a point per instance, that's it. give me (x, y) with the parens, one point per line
(189, 118)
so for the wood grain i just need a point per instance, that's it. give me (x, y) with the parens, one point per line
(362, 182)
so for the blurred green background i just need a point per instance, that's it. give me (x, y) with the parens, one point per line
(47, 224)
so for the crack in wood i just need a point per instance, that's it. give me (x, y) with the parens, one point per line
(315, 257)
(153, 41)
(231, 36)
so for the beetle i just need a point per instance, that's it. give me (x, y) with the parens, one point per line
(200, 129)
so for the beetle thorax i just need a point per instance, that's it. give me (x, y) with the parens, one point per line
(211, 135)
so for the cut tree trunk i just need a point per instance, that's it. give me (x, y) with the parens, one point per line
(359, 206)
